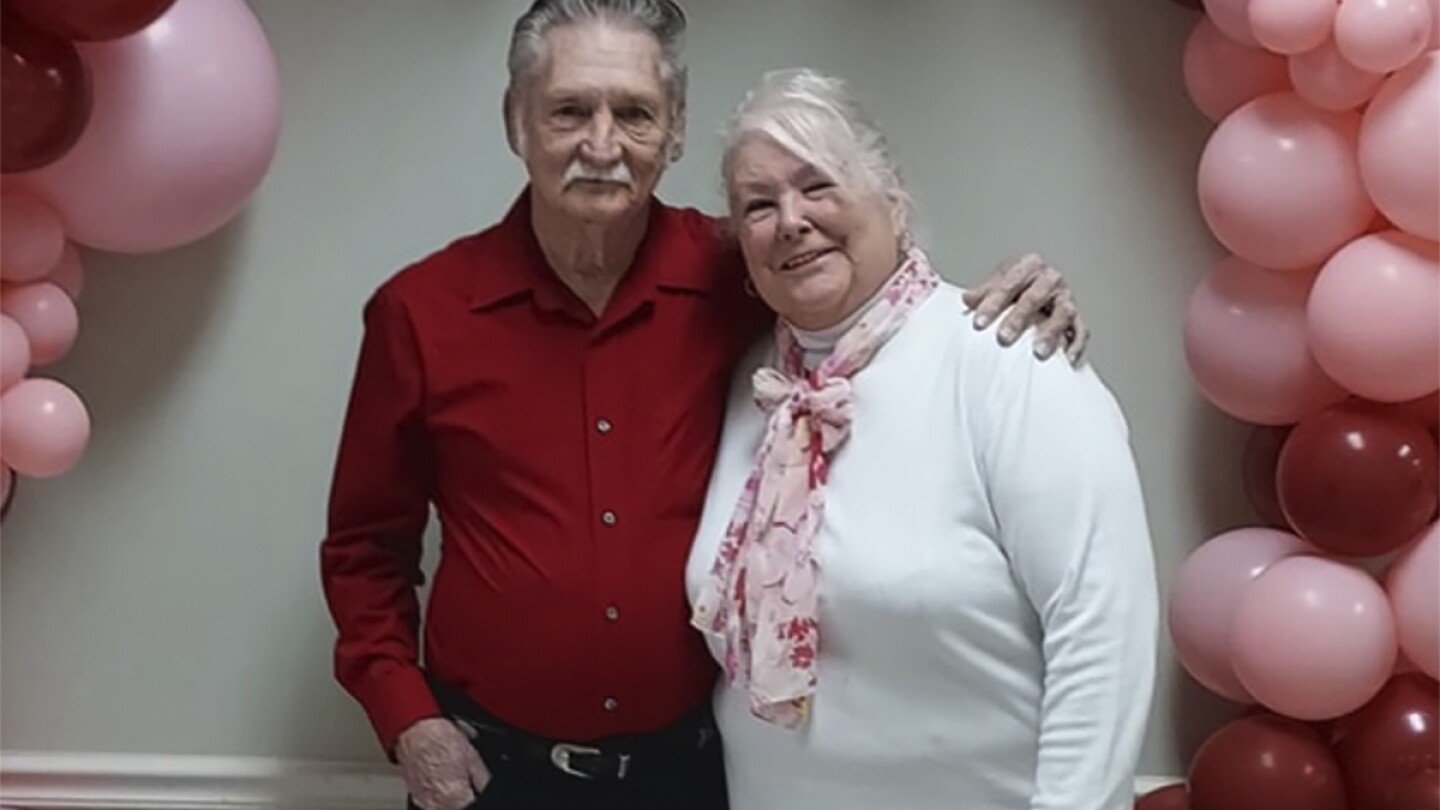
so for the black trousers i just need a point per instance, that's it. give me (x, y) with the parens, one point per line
(679, 777)
(688, 785)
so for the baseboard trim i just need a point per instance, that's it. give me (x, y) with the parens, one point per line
(66, 781)
(1145, 784)
(78, 781)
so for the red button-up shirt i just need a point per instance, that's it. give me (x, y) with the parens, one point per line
(566, 456)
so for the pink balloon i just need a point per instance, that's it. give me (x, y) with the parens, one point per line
(1291, 26)
(1248, 348)
(1398, 159)
(185, 122)
(44, 428)
(48, 317)
(1206, 593)
(1382, 35)
(1413, 584)
(1232, 17)
(1279, 185)
(31, 237)
(68, 275)
(1221, 74)
(1434, 26)
(1324, 78)
(1313, 638)
(14, 352)
(1374, 317)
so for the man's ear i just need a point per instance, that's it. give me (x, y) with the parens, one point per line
(510, 110)
(676, 147)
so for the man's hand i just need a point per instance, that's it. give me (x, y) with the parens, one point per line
(1041, 299)
(441, 768)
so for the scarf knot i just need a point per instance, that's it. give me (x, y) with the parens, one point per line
(819, 410)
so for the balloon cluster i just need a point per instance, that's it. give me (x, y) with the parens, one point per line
(125, 125)
(1322, 328)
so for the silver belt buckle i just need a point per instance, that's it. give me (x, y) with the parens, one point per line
(560, 755)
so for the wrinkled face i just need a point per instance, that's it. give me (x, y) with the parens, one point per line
(594, 123)
(815, 249)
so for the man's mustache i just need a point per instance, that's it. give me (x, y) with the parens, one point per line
(578, 171)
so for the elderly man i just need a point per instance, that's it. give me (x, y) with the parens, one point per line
(554, 386)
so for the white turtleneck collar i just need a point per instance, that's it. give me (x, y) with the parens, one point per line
(819, 343)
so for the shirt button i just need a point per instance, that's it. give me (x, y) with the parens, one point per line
(608, 518)
(603, 425)
(611, 704)
(612, 613)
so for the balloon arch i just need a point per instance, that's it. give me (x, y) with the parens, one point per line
(141, 125)
(128, 125)
(1322, 329)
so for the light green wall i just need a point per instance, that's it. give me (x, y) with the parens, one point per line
(163, 597)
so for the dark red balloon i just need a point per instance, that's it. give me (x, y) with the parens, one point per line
(91, 20)
(9, 496)
(1195, 4)
(1387, 741)
(1171, 797)
(1257, 468)
(44, 96)
(1426, 409)
(1357, 481)
(1420, 792)
(1265, 762)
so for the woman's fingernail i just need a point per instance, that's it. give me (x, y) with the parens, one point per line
(982, 321)
(1008, 334)
(1042, 348)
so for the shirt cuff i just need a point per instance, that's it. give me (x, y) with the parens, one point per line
(396, 700)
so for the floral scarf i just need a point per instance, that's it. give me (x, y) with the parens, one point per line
(761, 598)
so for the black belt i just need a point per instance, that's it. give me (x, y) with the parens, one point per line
(610, 758)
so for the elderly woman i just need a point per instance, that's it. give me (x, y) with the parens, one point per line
(923, 559)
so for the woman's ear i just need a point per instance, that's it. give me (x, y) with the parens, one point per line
(899, 220)
(729, 233)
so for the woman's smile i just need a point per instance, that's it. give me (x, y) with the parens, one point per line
(807, 260)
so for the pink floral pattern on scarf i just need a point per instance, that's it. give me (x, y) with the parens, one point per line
(761, 599)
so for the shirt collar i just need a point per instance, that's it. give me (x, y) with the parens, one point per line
(513, 265)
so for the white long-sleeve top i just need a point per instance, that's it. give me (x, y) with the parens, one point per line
(988, 608)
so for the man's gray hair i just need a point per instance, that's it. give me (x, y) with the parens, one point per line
(814, 117)
(662, 19)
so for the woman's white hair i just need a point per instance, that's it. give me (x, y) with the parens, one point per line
(815, 118)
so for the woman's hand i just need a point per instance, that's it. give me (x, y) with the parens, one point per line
(1038, 297)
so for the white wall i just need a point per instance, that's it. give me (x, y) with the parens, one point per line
(163, 597)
